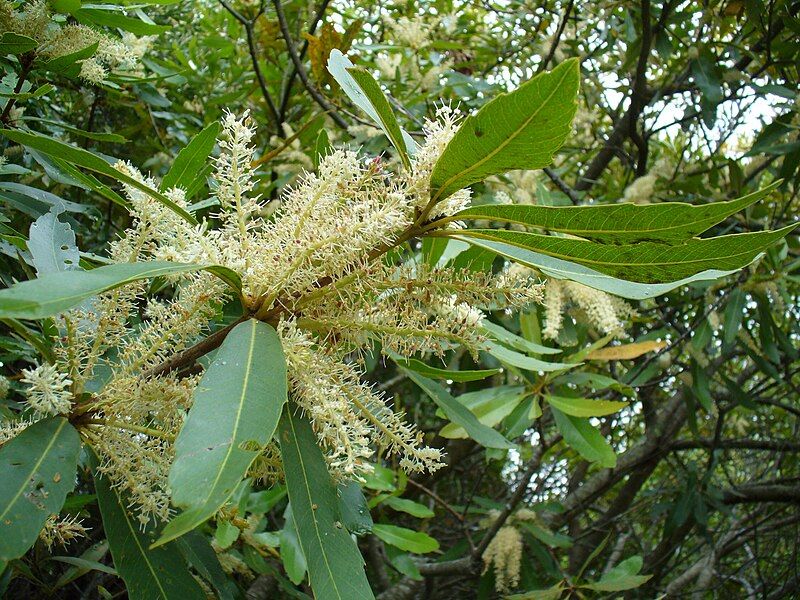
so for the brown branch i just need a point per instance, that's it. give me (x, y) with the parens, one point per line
(557, 38)
(301, 71)
(253, 50)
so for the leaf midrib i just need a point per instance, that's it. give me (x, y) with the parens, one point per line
(35, 468)
(503, 144)
(311, 504)
(571, 258)
(245, 380)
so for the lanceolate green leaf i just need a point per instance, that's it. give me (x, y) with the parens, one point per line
(584, 407)
(519, 130)
(383, 109)
(459, 414)
(490, 406)
(645, 262)
(339, 67)
(37, 471)
(57, 292)
(563, 269)
(435, 373)
(669, 222)
(190, 162)
(584, 439)
(149, 574)
(405, 539)
(234, 414)
(522, 361)
(88, 160)
(335, 567)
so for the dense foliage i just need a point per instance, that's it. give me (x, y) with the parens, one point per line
(417, 300)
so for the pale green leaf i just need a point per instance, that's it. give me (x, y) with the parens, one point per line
(622, 577)
(584, 407)
(235, 412)
(502, 335)
(383, 110)
(335, 566)
(490, 406)
(37, 471)
(415, 509)
(563, 269)
(585, 439)
(339, 67)
(522, 361)
(57, 292)
(52, 244)
(519, 130)
(460, 414)
(405, 539)
(294, 561)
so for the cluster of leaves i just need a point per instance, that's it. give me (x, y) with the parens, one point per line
(588, 441)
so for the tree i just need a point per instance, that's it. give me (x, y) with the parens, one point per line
(426, 300)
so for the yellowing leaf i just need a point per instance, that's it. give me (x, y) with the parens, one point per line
(626, 351)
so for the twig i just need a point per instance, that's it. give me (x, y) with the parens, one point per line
(251, 45)
(557, 38)
(301, 71)
(562, 185)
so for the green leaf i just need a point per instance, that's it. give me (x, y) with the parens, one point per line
(460, 414)
(294, 561)
(353, 508)
(148, 574)
(13, 43)
(89, 561)
(37, 471)
(405, 539)
(88, 160)
(56, 292)
(644, 262)
(521, 361)
(335, 567)
(562, 269)
(339, 67)
(622, 577)
(116, 20)
(383, 110)
(490, 406)
(191, 161)
(234, 414)
(585, 439)
(734, 313)
(52, 245)
(504, 336)
(519, 130)
(415, 509)
(669, 222)
(428, 371)
(197, 551)
(552, 593)
(584, 407)
(92, 135)
(60, 64)
(547, 537)
(595, 381)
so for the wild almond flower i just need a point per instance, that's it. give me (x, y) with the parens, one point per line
(61, 531)
(49, 392)
(313, 269)
(604, 312)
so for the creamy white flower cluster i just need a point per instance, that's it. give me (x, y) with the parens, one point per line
(34, 20)
(316, 268)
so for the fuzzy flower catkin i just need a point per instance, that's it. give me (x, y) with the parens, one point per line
(604, 312)
(48, 392)
(504, 555)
